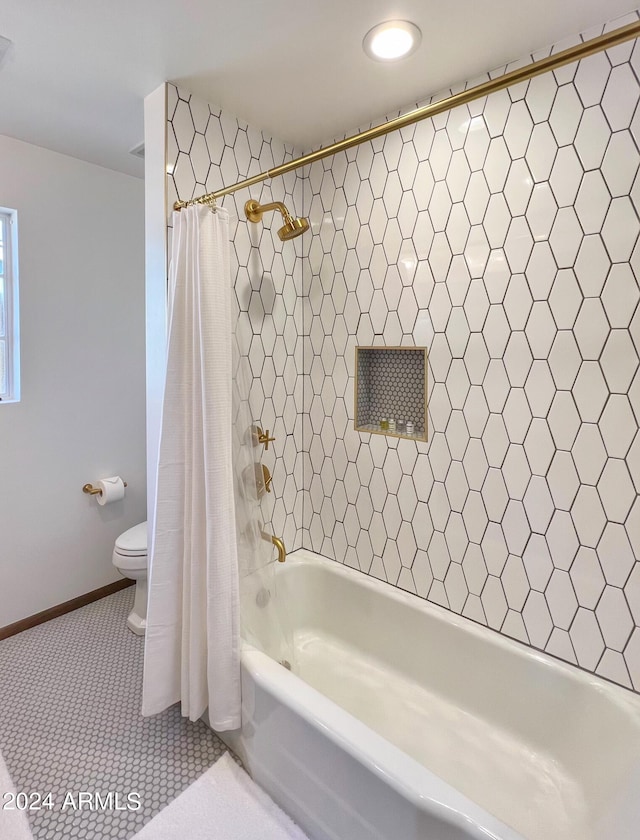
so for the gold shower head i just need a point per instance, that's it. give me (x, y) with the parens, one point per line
(291, 228)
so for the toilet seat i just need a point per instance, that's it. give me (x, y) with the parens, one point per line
(132, 543)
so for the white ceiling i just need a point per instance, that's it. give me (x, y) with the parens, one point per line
(76, 75)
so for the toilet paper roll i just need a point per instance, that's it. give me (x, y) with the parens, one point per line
(112, 490)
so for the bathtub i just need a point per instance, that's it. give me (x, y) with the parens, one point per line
(402, 721)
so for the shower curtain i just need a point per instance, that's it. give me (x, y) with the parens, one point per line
(192, 646)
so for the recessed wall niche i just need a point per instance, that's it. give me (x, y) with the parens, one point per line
(391, 390)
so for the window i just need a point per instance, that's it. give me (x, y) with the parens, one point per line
(9, 321)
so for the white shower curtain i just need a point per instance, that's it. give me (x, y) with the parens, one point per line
(192, 645)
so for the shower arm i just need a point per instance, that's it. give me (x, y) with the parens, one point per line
(521, 74)
(254, 210)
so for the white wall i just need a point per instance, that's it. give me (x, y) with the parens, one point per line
(82, 414)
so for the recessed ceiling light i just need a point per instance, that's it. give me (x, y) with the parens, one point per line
(392, 40)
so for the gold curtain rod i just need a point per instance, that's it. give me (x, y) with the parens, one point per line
(521, 74)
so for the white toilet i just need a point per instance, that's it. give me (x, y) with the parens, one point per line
(130, 559)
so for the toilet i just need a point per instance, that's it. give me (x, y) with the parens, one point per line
(130, 559)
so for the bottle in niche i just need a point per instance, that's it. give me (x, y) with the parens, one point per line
(384, 424)
(410, 428)
(392, 424)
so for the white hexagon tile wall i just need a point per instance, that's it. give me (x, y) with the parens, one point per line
(503, 236)
(206, 149)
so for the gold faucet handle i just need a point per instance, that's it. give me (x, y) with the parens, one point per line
(263, 479)
(258, 437)
(263, 437)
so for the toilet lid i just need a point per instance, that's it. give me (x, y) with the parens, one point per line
(133, 542)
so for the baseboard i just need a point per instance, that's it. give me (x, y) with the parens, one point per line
(66, 607)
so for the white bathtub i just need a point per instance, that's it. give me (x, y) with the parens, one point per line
(403, 721)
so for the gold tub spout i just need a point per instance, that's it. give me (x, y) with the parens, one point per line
(282, 551)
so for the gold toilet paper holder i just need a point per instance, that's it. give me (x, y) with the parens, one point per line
(95, 491)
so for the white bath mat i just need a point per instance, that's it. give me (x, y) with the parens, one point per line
(223, 804)
(13, 823)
